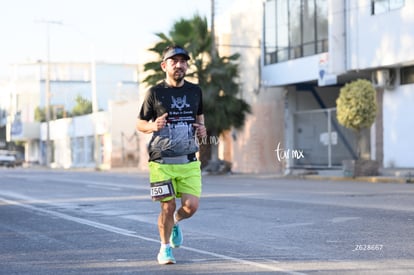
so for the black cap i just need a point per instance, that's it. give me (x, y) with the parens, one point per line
(175, 50)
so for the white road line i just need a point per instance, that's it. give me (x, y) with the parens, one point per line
(137, 186)
(241, 261)
(130, 233)
(103, 187)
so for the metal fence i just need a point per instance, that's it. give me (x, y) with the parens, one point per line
(323, 141)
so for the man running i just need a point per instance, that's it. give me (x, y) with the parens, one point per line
(172, 112)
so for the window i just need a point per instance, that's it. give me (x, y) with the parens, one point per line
(294, 29)
(407, 75)
(90, 149)
(308, 19)
(383, 6)
(282, 25)
(77, 148)
(270, 32)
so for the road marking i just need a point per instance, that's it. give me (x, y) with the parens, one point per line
(87, 182)
(129, 233)
(103, 187)
(297, 224)
(59, 202)
(344, 219)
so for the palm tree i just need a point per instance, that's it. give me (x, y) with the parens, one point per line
(193, 35)
(224, 109)
(217, 77)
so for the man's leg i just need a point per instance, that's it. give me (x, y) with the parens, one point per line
(166, 220)
(189, 205)
(165, 225)
(189, 189)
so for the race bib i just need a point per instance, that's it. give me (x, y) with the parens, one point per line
(162, 189)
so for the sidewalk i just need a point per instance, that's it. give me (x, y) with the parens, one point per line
(387, 175)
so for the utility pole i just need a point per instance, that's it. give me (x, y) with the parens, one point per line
(95, 109)
(214, 159)
(213, 34)
(47, 88)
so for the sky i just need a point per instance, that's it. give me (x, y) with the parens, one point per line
(107, 30)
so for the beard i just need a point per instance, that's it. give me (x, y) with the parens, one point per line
(178, 75)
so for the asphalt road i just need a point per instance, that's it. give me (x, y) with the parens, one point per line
(66, 222)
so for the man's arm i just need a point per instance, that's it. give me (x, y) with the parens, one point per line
(201, 129)
(145, 127)
(200, 119)
(148, 127)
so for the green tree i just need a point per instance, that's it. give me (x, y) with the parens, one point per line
(82, 107)
(217, 77)
(357, 107)
(194, 36)
(40, 114)
(55, 113)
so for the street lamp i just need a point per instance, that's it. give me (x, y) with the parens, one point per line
(47, 87)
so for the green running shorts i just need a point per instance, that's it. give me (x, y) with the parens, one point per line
(186, 178)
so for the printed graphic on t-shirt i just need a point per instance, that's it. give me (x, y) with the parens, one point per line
(179, 102)
(175, 140)
(182, 104)
(182, 109)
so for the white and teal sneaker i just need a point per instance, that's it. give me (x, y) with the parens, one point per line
(176, 239)
(165, 256)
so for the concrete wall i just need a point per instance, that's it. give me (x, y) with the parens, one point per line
(398, 127)
(379, 40)
(125, 139)
(254, 146)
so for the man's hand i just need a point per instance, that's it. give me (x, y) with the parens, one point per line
(201, 130)
(160, 122)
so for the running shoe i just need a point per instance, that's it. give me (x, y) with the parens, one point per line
(165, 256)
(176, 238)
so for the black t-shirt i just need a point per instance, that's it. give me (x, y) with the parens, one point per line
(182, 104)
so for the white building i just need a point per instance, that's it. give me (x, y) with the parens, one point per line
(75, 141)
(309, 50)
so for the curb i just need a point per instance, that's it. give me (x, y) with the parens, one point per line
(375, 179)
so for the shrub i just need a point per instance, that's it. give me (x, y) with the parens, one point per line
(357, 107)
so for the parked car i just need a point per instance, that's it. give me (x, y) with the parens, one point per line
(7, 158)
